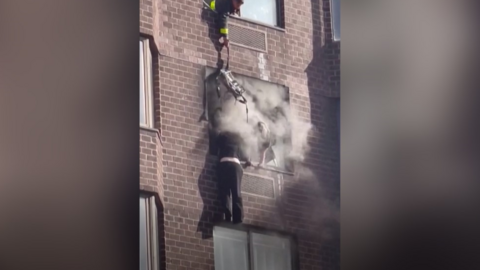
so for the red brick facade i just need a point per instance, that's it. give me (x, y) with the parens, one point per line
(173, 158)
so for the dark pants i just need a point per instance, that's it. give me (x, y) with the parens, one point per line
(229, 183)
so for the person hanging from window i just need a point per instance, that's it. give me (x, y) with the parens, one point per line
(229, 174)
(265, 142)
(224, 8)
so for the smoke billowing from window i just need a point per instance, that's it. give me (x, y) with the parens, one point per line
(268, 103)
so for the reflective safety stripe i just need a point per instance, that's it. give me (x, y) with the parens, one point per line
(212, 5)
(223, 31)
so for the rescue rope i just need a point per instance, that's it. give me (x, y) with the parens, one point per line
(233, 86)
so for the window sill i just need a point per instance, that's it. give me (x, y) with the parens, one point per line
(258, 23)
(273, 169)
(251, 228)
(157, 131)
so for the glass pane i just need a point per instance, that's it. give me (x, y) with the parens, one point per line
(142, 86)
(270, 252)
(264, 11)
(336, 19)
(230, 249)
(154, 234)
(150, 97)
(143, 236)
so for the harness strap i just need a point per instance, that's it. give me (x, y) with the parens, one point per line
(228, 58)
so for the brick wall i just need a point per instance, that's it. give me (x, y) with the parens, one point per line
(304, 58)
(150, 158)
(151, 151)
(150, 20)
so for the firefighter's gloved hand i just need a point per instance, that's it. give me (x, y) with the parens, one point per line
(225, 42)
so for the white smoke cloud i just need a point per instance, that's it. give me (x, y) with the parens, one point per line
(266, 103)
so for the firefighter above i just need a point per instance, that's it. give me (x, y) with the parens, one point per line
(224, 8)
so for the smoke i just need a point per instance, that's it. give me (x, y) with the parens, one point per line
(267, 103)
(317, 213)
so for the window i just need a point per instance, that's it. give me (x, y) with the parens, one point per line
(268, 103)
(149, 249)
(146, 84)
(247, 250)
(264, 11)
(335, 13)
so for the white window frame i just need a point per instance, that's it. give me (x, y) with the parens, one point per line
(335, 17)
(146, 83)
(149, 242)
(248, 238)
(276, 13)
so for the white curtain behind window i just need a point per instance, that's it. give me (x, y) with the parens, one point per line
(264, 11)
(143, 235)
(149, 245)
(142, 85)
(270, 252)
(230, 249)
(154, 233)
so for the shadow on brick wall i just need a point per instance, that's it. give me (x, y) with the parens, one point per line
(161, 231)
(322, 163)
(207, 188)
(323, 72)
(324, 156)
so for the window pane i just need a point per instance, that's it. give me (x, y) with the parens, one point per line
(336, 19)
(150, 89)
(230, 249)
(154, 232)
(142, 86)
(143, 236)
(264, 11)
(270, 252)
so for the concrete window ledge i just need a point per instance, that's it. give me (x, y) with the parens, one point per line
(155, 130)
